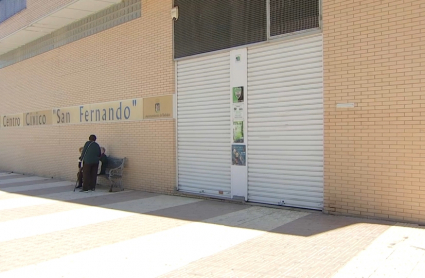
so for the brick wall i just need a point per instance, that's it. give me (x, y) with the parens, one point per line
(374, 56)
(131, 60)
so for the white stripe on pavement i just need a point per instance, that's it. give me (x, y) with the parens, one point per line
(7, 174)
(22, 188)
(20, 201)
(21, 180)
(156, 254)
(394, 253)
(86, 215)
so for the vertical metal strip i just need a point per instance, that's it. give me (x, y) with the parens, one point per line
(268, 19)
(321, 14)
(176, 99)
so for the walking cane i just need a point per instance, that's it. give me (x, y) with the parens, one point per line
(78, 178)
(81, 168)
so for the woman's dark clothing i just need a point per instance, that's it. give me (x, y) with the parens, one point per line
(104, 160)
(90, 158)
(80, 175)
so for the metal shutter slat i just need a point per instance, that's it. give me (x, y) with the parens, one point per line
(203, 125)
(285, 123)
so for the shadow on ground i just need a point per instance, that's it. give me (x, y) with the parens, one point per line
(311, 223)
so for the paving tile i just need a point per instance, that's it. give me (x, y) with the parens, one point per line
(10, 176)
(47, 230)
(5, 187)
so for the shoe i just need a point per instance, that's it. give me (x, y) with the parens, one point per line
(85, 191)
(80, 186)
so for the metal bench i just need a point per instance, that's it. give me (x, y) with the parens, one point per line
(114, 173)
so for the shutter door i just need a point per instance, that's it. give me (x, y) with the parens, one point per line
(203, 125)
(285, 123)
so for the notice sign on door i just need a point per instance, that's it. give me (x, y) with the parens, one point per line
(237, 94)
(239, 155)
(238, 113)
(238, 132)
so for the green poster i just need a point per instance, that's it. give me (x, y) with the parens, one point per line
(237, 94)
(238, 132)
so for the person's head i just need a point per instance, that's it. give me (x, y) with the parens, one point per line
(92, 138)
(102, 150)
(80, 149)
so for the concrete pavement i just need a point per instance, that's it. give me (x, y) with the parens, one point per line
(47, 230)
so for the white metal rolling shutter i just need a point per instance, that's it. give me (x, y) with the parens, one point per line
(203, 125)
(285, 123)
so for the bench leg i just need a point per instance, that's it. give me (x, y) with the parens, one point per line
(120, 185)
(116, 183)
(111, 181)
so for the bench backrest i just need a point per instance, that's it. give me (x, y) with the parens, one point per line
(114, 162)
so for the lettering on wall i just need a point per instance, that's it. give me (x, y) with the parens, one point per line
(66, 115)
(114, 111)
(38, 118)
(15, 120)
(126, 110)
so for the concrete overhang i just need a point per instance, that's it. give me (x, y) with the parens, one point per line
(66, 15)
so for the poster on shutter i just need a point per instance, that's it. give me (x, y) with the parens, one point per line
(238, 132)
(237, 94)
(238, 113)
(239, 155)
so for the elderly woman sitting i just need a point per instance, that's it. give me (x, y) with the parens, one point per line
(104, 160)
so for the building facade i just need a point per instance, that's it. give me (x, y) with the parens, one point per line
(311, 104)
(99, 54)
(374, 152)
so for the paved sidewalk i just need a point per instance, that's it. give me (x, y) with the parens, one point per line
(47, 230)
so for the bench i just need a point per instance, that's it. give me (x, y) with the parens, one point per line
(114, 173)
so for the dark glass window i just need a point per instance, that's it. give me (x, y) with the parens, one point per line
(209, 25)
(8, 8)
(287, 16)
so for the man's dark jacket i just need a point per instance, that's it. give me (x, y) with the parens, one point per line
(91, 153)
